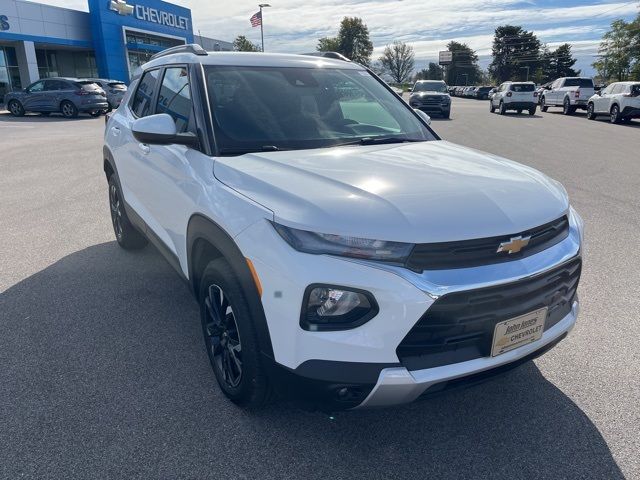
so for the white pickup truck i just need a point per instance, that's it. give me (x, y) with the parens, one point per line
(570, 93)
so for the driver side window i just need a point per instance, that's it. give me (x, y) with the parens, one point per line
(37, 87)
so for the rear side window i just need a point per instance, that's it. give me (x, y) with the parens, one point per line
(522, 87)
(175, 97)
(141, 105)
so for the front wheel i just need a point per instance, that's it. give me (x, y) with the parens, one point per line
(591, 113)
(543, 104)
(126, 234)
(16, 108)
(230, 337)
(615, 114)
(491, 107)
(502, 110)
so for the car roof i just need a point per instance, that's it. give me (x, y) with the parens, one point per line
(251, 59)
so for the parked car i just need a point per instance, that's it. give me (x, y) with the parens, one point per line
(620, 101)
(459, 91)
(492, 93)
(350, 257)
(517, 96)
(431, 96)
(115, 90)
(452, 90)
(540, 89)
(482, 93)
(570, 93)
(65, 95)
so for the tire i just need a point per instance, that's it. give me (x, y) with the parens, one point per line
(491, 107)
(126, 234)
(16, 108)
(95, 113)
(567, 109)
(591, 114)
(68, 109)
(615, 114)
(501, 109)
(543, 104)
(231, 339)
(532, 111)
(519, 111)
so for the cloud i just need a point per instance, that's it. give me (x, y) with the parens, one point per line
(428, 25)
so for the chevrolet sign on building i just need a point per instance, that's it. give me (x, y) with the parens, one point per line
(110, 41)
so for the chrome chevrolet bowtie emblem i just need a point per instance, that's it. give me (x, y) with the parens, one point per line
(121, 7)
(514, 245)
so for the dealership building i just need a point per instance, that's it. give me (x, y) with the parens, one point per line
(109, 41)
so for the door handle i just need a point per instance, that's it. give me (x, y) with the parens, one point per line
(144, 147)
(115, 131)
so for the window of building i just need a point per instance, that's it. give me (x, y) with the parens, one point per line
(47, 63)
(9, 72)
(141, 105)
(175, 98)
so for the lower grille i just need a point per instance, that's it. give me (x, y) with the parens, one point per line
(459, 326)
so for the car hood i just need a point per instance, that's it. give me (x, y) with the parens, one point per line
(414, 192)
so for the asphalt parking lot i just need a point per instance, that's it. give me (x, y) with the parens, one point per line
(104, 373)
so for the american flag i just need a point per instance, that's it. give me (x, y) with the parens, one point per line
(256, 19)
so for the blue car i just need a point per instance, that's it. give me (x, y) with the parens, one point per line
(64, 95)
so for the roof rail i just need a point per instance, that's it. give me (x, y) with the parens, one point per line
(334, 55)
(188, 48)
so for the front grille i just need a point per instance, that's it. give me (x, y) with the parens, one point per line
(459, 326)
(483, 251)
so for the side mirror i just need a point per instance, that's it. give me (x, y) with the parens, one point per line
(425, 118)
(599, 93)
(160, 129)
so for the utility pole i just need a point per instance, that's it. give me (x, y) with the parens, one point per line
(262, 5)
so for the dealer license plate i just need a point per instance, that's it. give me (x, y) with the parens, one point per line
(518, 331)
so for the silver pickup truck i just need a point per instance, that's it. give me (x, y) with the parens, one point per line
(570, 93)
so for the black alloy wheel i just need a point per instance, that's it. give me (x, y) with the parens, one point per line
(222, 337)
(116, 210)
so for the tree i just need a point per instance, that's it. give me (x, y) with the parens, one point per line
(464, 68)
(398, 60)
(555, 64)
(352, 41)
(243, 44)
(617, 51)
(516, 54)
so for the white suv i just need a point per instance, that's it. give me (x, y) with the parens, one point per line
(620, 101)
(341, 253)
(570, 93)
(516, 96)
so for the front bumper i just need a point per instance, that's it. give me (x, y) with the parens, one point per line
(397, 385)
(364, 360)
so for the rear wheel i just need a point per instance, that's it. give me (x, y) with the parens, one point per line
(68, 109)
(543, 104)
(95, 113)
(532, 111)
(591, 113)
(567, 109)
(230, 337)
(126, 234)
(16, 108)
(615, 114)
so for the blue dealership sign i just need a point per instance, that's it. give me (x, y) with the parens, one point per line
(111, 19)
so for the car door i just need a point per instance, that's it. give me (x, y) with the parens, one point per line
(52, 90)
(602, 103)
(35, 97)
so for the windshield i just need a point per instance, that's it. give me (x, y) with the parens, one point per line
(275, 108)
(430, 87)
(579, 82)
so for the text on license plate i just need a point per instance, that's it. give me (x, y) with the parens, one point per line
(518, 331)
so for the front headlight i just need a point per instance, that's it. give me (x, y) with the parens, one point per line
(345, 246)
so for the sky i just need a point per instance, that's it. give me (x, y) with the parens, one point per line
(428, 25)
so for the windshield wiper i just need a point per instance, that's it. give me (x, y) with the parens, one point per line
(378, 141)
(241, 151)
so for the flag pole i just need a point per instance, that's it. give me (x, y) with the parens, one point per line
(262, 5)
